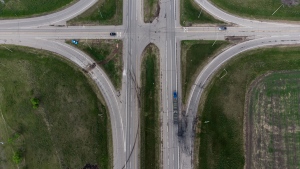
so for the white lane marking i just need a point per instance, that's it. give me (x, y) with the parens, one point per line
(136, 14)
(174, 10)
(130, 102)
(178, 158)
(171, 64)
(125, 105)
(176, 64)
(167, 97)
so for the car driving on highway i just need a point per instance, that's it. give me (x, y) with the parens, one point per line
(222, 28)
(112, 34)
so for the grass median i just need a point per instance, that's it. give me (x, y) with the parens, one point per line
(191, 13)
(222, 104)
(51, 114)
(107, 54)
(29, 8)
(150, 126)
(266, 9)
(151, 10)
(104, 12)
(194, 56)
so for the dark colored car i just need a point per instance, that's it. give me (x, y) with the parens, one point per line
(222, 28)
(112, 34)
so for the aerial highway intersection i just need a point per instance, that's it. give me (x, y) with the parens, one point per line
(49, 32)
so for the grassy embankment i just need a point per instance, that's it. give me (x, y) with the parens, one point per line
(194, 56)
(260, 9)
(107, 54)
(150, 126)
(104, 12)
(151, 10)
(274, 121)
(221, 140)
(191, 13)
(67, 127)
(28, 8)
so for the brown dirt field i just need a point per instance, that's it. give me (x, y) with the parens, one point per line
(271, 121)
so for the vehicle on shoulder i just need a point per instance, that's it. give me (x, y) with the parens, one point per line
(222, 28)
(75, 42)
(112, 33)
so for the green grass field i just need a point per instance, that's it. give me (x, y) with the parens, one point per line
(191, 13)
(194, 56)
(108, 55)
(25, 8)
(104, 12)
(150, 128)
(151, 10)
(221, 140)
(260, 9)
(70, 125)
(273, 116)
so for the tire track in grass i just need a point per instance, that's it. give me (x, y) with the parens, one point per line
(286, 113)
(273, 140)
(280, 143)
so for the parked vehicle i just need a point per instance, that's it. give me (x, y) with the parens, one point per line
(75, 42)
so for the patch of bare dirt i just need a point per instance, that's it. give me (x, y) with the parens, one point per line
(290, 2)
(270, 124)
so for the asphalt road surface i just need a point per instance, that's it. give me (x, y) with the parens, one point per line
(166, 33)
(58, 18)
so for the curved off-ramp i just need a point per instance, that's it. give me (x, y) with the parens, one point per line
(52, 19)
(98, 76)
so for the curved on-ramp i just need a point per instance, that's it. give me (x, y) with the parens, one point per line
(208, 71)
(220, 14)
(99, 77)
